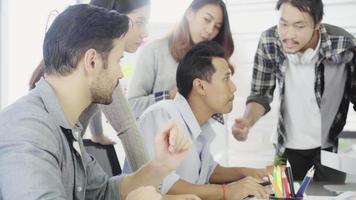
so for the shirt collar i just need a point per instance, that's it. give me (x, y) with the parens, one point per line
(329, 49)
(51, 103)
(187, 115)
(325, 46)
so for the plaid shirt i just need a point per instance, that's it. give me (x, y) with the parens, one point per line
(270, 65)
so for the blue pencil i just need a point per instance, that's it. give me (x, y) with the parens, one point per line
(306, 182)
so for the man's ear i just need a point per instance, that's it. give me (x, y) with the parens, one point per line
(199, 86)
(91, 60)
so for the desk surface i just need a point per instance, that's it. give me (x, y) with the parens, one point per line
(317, 189)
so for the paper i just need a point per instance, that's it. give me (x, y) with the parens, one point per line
(346, 196)
(342, 162)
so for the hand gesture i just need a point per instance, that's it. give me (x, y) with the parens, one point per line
(256, 173)
(171, 146)
(240, 129)
(245, 187)
(101, 139)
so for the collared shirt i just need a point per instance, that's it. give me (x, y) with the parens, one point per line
(42, 156)
(199, 164)
(270, 65)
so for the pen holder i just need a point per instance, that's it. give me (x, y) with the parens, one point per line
(272, 197)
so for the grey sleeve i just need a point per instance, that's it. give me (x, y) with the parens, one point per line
(96, 124)
(140, 92)
(121, 119)
(86, 117)
(262, 100)
(263, 81)
(29, 164)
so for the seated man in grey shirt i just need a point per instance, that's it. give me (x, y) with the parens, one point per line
(41, 149)
(204, 88)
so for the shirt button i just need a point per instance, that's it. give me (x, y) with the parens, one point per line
(79, 189)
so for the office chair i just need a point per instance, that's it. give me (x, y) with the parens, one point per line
(105, 155)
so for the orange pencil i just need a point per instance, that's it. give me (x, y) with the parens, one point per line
(276, 190)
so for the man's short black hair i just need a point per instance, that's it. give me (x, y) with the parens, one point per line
(314, 7)
(197, 63)
(77, 29)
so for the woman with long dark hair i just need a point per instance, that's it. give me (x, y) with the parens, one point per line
(154, 74)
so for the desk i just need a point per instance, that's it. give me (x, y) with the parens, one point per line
(317, 189)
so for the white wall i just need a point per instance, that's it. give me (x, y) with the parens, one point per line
(23, 24)
(2, 52)
(0, 47)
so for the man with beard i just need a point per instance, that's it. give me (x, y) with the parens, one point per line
(41, 149)
(315, 68)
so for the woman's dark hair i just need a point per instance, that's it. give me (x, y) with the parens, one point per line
(180, 40)
(122, 6)
(36, 75)
(314, 7)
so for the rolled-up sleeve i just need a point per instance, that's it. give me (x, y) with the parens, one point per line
(212, 165)
(168, 182)
(263, 76)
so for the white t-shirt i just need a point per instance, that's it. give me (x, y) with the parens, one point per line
(301, 111)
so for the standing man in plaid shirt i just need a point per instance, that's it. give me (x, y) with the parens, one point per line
(314, 66)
